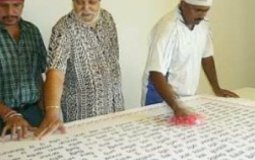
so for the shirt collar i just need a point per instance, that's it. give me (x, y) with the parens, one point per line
(2, 26)
(179, 14)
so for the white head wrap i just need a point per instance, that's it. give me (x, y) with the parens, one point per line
(199, 2)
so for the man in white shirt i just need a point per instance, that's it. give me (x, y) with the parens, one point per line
(180, 42)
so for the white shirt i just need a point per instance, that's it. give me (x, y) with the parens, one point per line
(178, 51)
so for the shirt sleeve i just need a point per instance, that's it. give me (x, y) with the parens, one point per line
(160, 51)
(42, 53)
(1, 83)
(114, 38)
(59, 49)
(209, 51)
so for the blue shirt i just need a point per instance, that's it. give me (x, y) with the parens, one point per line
(21, 64)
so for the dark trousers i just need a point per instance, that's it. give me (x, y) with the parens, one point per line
(30, 112)
(152, 95)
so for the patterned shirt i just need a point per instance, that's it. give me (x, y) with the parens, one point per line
(21, 64)
(89, 58)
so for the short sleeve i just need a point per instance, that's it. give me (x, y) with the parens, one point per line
(59, 49)
(42, 52)
(160, 50)
(209, 51)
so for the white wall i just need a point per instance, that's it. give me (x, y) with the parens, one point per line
(134, 19)
(232, 25)
(250, 41)
(45, 13)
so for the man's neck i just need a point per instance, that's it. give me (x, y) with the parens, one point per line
(190, 26)
(14, 31)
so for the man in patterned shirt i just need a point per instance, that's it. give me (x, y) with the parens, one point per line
(22, 62)
(83, 74)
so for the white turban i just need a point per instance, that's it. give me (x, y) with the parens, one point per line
(199, 2)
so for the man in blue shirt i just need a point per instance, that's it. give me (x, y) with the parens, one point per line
(22, 62)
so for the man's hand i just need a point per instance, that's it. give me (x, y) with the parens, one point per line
(180, 110)
(18, 127)
(210, 72)
(50, 124)
(225, 93)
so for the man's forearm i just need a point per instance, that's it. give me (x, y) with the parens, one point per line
(53, 88)
(210, 72)
(164, 89)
